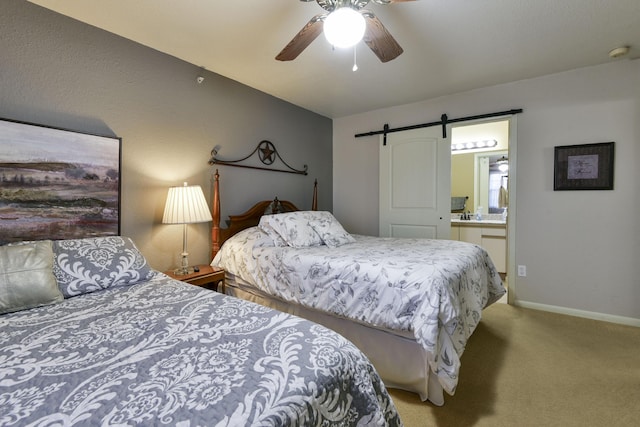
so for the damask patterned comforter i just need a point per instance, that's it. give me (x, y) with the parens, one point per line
(436, 289)
(162, 352)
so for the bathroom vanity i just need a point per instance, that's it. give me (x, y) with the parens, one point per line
(491, 234)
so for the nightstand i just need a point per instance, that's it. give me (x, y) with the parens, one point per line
(208, 277)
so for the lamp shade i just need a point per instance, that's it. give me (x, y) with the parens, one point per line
(186, 205)
(344, 27)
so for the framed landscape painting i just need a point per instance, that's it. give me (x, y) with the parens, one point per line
(57, 184)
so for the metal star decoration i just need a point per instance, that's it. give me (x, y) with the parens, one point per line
(267, 150)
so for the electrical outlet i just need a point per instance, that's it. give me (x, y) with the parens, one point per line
(522, 271)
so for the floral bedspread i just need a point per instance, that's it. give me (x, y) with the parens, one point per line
(162, 352)
(434, 288)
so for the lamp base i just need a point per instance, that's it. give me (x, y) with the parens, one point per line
(183, 271)
(184, 267)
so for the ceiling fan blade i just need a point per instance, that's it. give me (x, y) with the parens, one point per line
(379, 40)
(303, 39)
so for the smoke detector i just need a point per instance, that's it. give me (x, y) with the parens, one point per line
(619, 52)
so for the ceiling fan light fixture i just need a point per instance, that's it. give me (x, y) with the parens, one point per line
(344, 27)
(503, 164)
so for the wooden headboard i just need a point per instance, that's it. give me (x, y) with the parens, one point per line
(250, 218)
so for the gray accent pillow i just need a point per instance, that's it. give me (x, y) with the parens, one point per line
(26, 276)
(88, 265)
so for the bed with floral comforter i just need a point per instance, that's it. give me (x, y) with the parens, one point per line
(112, 342)
(433, 289)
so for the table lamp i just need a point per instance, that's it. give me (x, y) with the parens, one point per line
(185, 205)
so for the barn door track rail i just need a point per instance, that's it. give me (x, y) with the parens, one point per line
(444, 121)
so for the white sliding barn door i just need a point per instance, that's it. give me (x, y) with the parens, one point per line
(415, 182)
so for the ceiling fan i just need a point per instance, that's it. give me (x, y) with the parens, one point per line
(376, 36)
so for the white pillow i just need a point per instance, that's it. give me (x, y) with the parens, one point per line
(26, 276)
(330, 230)
(273, 235)
(293, 227)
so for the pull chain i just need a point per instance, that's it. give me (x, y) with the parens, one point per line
(355, 64)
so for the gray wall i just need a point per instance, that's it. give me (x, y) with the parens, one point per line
(581, 248)
(63, 73)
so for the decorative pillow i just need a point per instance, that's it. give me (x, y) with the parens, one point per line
(26, 276)
(254, 237)
(268, 230)
(87, 265)
(330, 230)
(294, 227)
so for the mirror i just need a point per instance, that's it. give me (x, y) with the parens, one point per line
(474, 172)
(491, 181)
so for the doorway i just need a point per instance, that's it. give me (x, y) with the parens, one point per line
(478, 148)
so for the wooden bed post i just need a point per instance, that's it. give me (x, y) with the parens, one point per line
(314, 203)
(215, 213)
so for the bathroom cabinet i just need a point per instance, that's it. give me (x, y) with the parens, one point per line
(492, 237)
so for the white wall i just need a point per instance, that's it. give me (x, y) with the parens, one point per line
(581, 248)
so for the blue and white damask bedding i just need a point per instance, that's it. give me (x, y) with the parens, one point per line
(109, 341)
(433, 289)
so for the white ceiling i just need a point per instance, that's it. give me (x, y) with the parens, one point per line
(449, 45)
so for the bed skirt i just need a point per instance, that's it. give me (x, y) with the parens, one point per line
(403, 367)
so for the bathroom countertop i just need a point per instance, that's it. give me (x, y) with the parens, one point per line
(474, 222)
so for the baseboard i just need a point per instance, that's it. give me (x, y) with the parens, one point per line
(580, 313)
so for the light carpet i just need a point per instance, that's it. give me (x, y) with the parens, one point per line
(526, 367)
